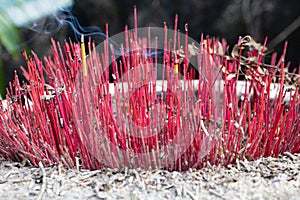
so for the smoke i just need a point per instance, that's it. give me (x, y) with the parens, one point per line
(47, 17)
(52, 24)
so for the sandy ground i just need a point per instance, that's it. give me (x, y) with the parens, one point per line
(266, 178)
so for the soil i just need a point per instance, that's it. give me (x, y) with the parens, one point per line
(265, 178)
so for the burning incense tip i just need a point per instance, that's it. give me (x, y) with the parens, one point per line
(83, 56)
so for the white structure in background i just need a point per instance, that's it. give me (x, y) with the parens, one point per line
(241, 86)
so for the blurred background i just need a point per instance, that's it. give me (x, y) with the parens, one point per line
(29, 24)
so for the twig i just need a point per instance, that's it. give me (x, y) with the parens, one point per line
(43, 188)
(291, 156)
(191, 194)
(21, 180)
(215, 193)
(203, 127)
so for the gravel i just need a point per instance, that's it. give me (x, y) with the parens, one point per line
(265, 178)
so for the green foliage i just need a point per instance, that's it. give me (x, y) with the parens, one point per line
(9, 39)
(2, 89)
(9, 35)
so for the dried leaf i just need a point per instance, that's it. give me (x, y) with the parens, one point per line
(235, 51)
(224, 70)
(247, 39)
(180, 52)
(248, 77)
(220, 49)
(230, 76)
(247, 66)
(193, 49)
(260, 70)
(250, 42)
(252, 59)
